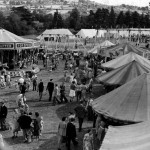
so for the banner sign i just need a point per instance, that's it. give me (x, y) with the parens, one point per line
(36, 44)
(7, 46)
(24, 45)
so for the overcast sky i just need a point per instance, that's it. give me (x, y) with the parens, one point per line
(140, 3)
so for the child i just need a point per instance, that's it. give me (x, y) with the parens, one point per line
(38, 125)
(16, 124)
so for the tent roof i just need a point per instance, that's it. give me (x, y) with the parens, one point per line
(84, 33)
(130, 137)
(57, 32)
(126, 48)
(8, 37)
(94, 50)
(130, 102)
(125, 59)
(124, 73)
(106, 43)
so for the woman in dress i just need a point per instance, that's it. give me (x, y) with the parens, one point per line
(72, 93)
(88, 141)
(61, 132)
(16, 126)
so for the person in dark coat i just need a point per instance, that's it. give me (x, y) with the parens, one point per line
(80, 113)
(71, 133)
(50, 88)
(25, 124)
(40, 89)
(3, 115)
(62, 93)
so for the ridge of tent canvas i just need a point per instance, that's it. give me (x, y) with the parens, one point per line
(6, 36)
(130, 102)
(124, 59)
(129, 137)
(124, 73)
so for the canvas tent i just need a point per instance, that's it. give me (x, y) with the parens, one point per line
(87, 33)
(10, 41)
(106, 44)
(130, 137)
(126, 48)
(10, 44)
(123, 74)
(94, 50)
(130, 102)
(48, 33)
(125, 59)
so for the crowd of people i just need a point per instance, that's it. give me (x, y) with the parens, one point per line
(79, 76)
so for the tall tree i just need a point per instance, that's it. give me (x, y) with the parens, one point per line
(90, 20)
(98, 19)
(136, 19)
(120, 20)
(112, 18)
(74, 17)
(57, 20)
(128, 19)
(24, 14)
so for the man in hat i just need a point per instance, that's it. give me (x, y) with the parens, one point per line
(50, 88)
(3, 115)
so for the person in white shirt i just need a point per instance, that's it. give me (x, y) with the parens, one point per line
(71, 77)
(8, 79)
(20, 100)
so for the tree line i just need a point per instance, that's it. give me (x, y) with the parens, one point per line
(22, 22)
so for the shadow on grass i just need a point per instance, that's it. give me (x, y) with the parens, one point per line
(9, 93)
(46, 104)
(65, 109)
(15, 141)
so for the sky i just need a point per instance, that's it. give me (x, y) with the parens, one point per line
(140, 3)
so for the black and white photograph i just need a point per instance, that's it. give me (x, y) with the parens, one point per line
(74, 74)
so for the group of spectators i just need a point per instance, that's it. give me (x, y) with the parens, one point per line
(5, 79)
(67, 129)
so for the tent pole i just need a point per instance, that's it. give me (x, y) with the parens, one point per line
(85, 50)
(65, 42)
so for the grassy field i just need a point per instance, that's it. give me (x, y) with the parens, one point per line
(51, 114)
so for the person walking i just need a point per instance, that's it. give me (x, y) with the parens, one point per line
(62, 93)
(71, 133)
(40, 89)
(25, 122)
(72, 93)
(56, 95)
(23, 89)
(50, 88)
(3, 115)
(78, 92)
(62, 132)
(80, 113)
(34, 80)
(88, 141)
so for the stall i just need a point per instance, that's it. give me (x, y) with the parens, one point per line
(13, 47)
